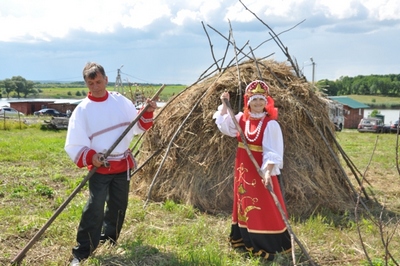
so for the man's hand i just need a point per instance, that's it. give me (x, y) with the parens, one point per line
(97, 160)
(153, 105)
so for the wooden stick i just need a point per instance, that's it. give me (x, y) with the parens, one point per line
(275, 37)
(18, 258)
(237, 65)
(169, 146)
(260, 172)
(211, 46)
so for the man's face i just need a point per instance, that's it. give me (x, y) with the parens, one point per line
(97, 86)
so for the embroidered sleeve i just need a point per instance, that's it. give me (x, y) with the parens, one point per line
(85, 157)
(146, 121)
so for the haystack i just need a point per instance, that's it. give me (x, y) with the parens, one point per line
(186, 159)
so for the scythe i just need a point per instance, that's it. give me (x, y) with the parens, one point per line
(269, 187)
(18, 258)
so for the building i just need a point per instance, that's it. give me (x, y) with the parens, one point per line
(29, 106)
(353, 111)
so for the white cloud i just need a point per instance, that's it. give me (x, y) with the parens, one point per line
(185, 15)
(147, 31)
(142, 13)
(388, 10)
(197, 11)
(48, 19)
(339, 9)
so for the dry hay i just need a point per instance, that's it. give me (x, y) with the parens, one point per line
(198, 164)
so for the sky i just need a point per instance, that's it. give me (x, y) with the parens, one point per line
(168, 41)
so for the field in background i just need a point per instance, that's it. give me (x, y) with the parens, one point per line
(80, 92)
(36, 176)
(377, 100)
(170, 90)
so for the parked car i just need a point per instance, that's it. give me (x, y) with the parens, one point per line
(371, 124)
(9, 112)
(394, 126)
(49, 112)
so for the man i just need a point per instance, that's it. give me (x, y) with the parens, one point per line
(95, 124)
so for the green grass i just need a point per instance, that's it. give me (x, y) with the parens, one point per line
(36, 176)
(385, 148)
(377, 101)
(147, 91)
(62, 93)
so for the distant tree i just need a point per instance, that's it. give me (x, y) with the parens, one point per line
(69, 93)
(78, 93)
(385, 85)
(374, 113)
(2, 89)
(395, 88)
(328, 87)
(344, 86)
(29, 88)
(9, 86)
(21, 86)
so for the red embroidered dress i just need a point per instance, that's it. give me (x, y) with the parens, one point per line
(257, 223)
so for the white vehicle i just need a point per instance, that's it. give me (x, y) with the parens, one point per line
(6, 111)
(336, 114)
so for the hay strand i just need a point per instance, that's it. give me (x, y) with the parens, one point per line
(197, 163)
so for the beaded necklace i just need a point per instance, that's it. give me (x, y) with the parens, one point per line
(257, 131)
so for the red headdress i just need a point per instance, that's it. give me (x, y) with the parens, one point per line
(255, 89)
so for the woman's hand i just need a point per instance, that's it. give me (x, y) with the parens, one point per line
(267, 181)
(224, 95)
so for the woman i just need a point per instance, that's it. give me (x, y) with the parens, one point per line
(257, 224)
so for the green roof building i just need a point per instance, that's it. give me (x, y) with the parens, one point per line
(353, 111)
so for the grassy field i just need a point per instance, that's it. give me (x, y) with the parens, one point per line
(80, 92)
(171, 90)
(36, 176)
(379, 101)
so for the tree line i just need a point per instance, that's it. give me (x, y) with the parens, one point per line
(383, 85)
(19, 87)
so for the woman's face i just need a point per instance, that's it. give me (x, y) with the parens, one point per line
(257, 105)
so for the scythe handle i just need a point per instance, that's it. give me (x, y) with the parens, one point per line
(260, 172)
(140, 114)
(18, 258)
(239, 129)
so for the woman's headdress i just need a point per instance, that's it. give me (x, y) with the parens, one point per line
(259, 89)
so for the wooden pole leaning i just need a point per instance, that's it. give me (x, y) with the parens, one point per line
(18, 258)
(260, 172)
